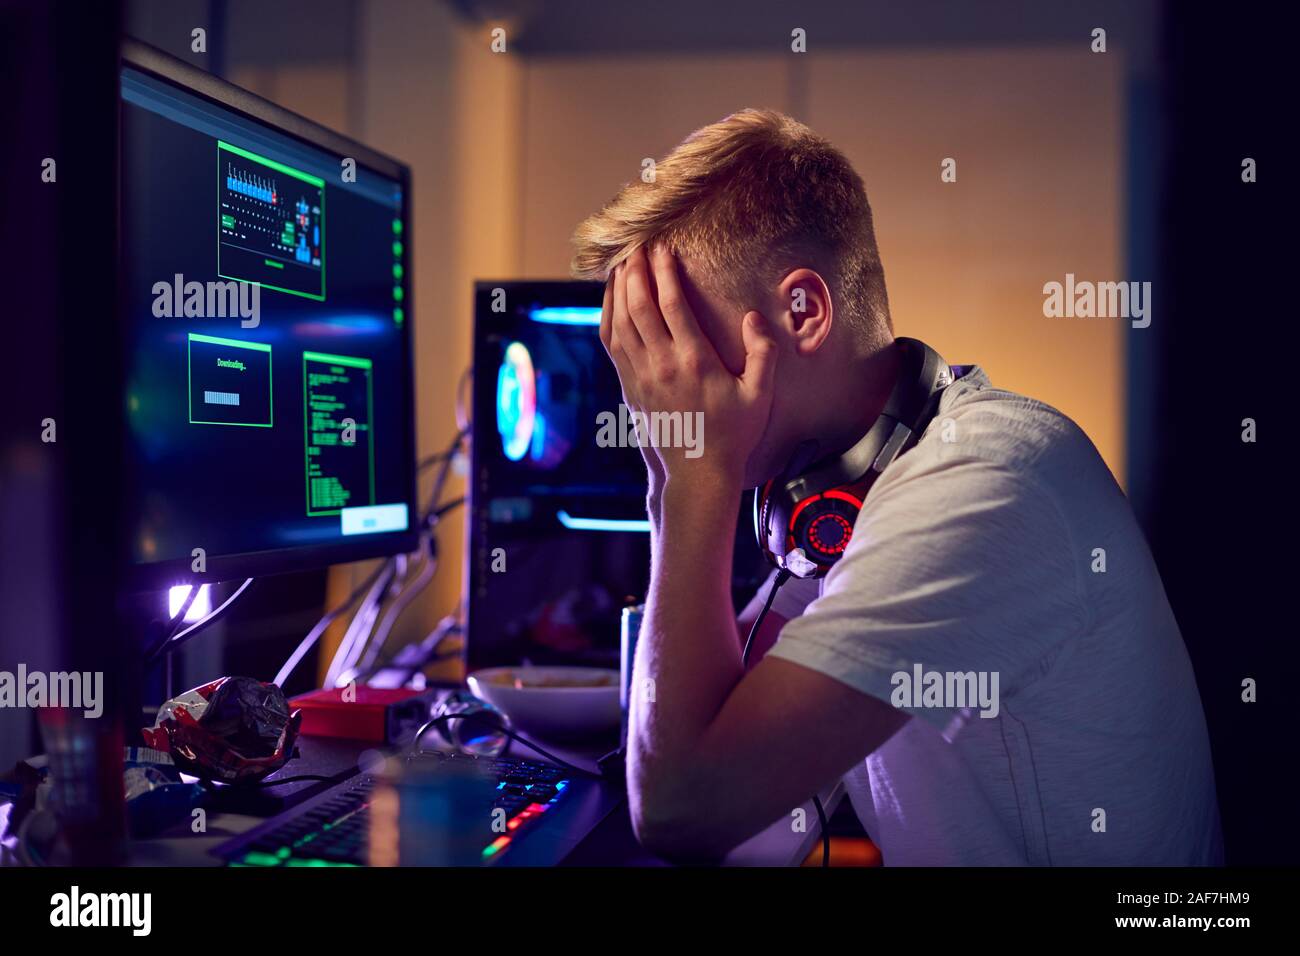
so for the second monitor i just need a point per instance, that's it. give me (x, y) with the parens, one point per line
(558, 535)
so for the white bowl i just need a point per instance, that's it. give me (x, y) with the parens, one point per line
(537, 700)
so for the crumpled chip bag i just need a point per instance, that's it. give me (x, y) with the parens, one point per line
(234, 729)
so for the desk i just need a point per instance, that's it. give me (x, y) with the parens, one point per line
(610, 843)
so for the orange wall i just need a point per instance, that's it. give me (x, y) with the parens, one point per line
(588, 123)
(1036, 136)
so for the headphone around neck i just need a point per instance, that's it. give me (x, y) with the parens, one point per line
(804, 517)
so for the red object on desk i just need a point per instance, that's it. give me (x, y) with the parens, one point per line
(376, 714)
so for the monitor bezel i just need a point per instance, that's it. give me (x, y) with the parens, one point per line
(234, 566)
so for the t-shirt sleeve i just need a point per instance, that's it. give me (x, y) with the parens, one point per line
(959, 567)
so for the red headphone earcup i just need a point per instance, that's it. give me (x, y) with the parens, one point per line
(823, 524)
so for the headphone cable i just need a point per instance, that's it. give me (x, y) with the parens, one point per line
(782, 575)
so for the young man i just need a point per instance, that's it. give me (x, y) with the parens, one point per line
(745, 283)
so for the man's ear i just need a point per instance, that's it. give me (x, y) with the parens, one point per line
(807, 312)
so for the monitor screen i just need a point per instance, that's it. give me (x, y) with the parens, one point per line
(558, 532)
(269, 382)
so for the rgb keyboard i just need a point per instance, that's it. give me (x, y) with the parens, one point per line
(333, 828)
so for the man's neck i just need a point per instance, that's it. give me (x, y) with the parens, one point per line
(871, 380)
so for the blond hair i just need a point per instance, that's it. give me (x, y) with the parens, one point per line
(749, 198)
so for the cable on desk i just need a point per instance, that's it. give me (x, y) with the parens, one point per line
(329, 618)
(512, 735)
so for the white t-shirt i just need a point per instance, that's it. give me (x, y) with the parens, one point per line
(980, 554)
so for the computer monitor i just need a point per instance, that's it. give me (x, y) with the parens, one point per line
(265, 273)
(558, 536)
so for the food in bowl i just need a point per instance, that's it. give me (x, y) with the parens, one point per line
(509, 678)
(558, 703)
